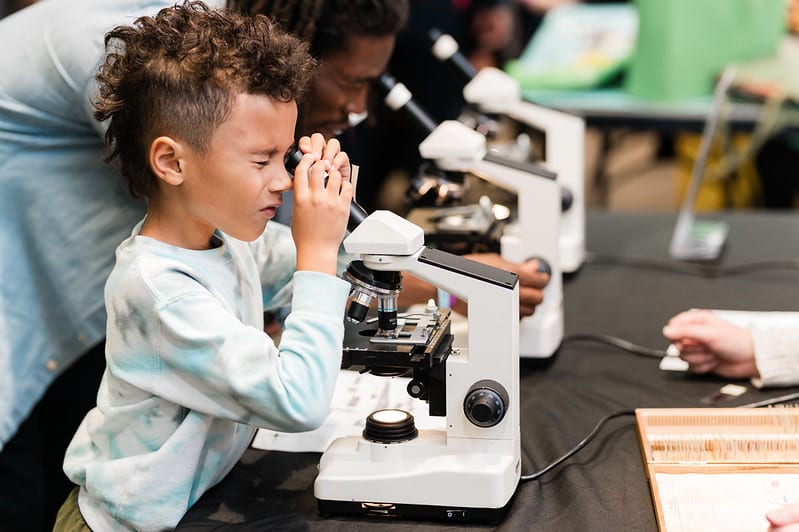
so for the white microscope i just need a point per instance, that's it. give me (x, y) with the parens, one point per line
(493, 91)
(470, 470)
(536, 231)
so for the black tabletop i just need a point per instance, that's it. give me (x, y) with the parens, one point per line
(603, 487)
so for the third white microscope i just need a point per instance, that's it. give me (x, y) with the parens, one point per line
(494, 92)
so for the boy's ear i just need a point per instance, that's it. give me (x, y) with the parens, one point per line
(165, 153)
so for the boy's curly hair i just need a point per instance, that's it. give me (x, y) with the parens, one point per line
(178, 74)
(328, 24)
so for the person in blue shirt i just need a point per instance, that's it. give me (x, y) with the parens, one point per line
(190, 371)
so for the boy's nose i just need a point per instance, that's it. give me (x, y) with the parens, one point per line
(282, 182)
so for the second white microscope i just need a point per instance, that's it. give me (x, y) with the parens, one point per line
(493, 91)
(536, 231)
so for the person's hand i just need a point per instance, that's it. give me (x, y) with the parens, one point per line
(712, 345)
(531, 284)
(321, 204)
(531, 279)
(784, 518)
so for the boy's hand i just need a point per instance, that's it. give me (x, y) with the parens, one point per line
(330, 151)
(321, 204)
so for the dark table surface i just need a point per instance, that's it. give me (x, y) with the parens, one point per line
(604, 486)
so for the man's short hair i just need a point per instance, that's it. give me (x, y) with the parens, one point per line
(328, 24)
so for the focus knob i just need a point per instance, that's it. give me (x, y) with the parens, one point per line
(486, 403)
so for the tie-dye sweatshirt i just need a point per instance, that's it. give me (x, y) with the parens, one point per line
(190, 372)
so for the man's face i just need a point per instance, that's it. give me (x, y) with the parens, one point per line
(341, 84)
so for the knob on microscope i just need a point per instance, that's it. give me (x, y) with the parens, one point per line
(486, 403)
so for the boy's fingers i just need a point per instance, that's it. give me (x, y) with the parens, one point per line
(333, 185)
(319, 143)
(346, 191)
(302, 173)
(341, 162)
(316, 176)
(331, 149)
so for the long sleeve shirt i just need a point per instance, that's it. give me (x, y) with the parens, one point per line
(190, 373)
(776, 355)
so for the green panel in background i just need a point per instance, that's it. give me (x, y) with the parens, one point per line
(683, 45)
(577, 46)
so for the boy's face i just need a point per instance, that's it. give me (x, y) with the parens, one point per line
(236, 185)
(341, 84)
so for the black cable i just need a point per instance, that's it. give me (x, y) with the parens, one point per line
(591, 435)
(616, 342)
(585, 441)
(702, 270)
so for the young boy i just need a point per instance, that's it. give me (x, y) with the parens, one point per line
(201, 106)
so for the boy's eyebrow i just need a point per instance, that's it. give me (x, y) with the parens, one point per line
(265, 151)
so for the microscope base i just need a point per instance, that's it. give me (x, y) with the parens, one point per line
(572, 252)
(429, 477)
(540, 335)
(414, 511)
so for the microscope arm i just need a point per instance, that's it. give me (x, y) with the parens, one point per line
(493, 319)
(494, 91)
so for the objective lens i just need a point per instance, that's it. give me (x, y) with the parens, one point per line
(356, 312)
(387, 313)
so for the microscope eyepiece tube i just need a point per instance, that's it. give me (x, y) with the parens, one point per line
(445, 49)
(399, 98)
